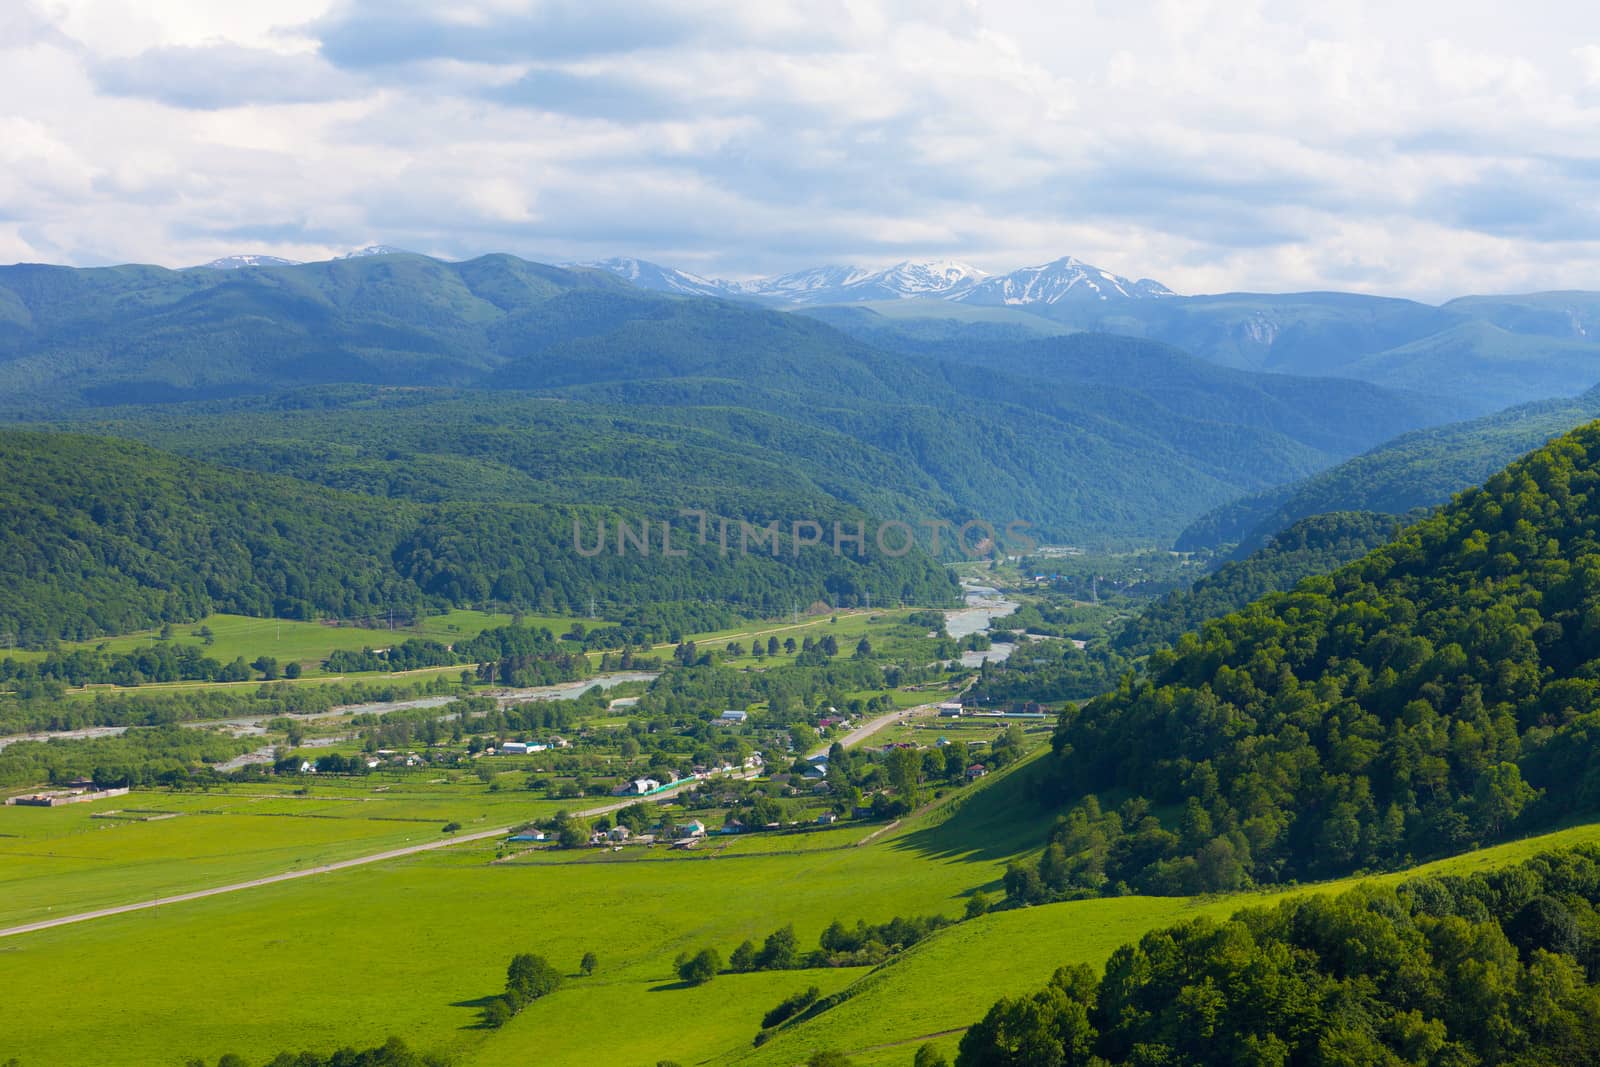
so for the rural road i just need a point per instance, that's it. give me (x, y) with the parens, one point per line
(855, 736)
(872, 726)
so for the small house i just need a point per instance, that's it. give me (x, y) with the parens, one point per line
(619, 833)
(692, 828)
(977, 770)
(734, 715)
(827, 818)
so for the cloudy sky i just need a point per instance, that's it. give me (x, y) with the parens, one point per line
(1444, 149)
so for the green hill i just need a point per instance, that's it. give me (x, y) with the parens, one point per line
(1418, 469)
(555, 386)
(1311, 546)
(1439, 693)
(106, 536)
(1485, 352)
(1490, 968)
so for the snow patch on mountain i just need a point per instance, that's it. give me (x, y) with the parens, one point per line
(653, 276)
(375, 250)
(250, 259)
(1064, 279)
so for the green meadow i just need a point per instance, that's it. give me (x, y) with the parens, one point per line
(154, 843)
(413, 946)
(309, 643)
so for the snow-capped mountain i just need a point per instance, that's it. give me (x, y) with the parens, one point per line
(375, 250)
(653, 276)
(248, 260)
(1065, 279)
(815, 285)
(843, 285)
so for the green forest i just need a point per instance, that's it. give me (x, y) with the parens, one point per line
(105, 536)
(498, 379)
(1497, 968)
(1421, 469)
(1316, 545)
(1439, 693)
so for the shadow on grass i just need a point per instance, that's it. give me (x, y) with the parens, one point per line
(995, 822)
(667, 987)
(480, 1003)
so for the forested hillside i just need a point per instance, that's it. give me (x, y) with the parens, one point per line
(1316, 545)
(1496, 968)
(1418, 469)
(105, 536)
(593, 392)
(1438, 693)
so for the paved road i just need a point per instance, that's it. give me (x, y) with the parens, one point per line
(376, 857)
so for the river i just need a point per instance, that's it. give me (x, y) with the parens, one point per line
(984, 605)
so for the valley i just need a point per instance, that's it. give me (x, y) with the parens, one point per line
(386, 722)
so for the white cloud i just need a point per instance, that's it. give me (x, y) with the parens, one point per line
(1422, 150)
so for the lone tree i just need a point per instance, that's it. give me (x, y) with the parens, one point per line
(701, 967)
(588, 965)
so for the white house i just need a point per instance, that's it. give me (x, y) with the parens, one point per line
(514, 748)
(734, 715)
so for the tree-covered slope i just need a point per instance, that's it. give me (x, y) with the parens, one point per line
(1311, 546)
(1493, 968)
(1441, 691)
(105, 536)
(1418, 469)
(1094, 437)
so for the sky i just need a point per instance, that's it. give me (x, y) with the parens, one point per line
(1424, 150)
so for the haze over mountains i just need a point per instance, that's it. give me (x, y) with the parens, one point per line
(958, 393)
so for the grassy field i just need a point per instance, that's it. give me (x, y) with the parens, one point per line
(63, 860)
(408, 947)
(1010, 953)
(411, 947)
(309, 643)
